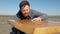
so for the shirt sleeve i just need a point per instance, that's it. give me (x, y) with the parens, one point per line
(39, 14)
(16, 18)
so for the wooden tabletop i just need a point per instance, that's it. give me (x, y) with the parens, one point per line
(42, 23)
(28, 26)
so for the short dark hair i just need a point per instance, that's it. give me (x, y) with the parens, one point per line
(23, 3)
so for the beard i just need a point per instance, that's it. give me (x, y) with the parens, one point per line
(26, 14)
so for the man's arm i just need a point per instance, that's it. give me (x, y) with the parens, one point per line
(39, 14)
(16, 18)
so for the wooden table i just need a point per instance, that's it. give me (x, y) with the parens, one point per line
(29, 27)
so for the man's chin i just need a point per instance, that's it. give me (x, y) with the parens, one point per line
(25, 15)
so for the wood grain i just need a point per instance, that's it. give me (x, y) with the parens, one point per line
(29, 27)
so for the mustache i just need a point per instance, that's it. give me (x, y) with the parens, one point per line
(26, 13)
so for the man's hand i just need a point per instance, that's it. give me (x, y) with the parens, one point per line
(37, 20)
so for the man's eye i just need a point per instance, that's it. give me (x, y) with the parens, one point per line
(27, 9)
(24, 10)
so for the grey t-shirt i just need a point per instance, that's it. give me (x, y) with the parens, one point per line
(34, 14)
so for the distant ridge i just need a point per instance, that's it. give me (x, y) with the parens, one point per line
(14, 15)
(54, 16)
(7, 15)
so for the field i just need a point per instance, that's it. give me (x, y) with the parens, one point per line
(5, 28)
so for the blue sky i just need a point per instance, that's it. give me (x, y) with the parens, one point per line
(50, 7)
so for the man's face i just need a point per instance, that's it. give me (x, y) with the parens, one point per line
(25, 10)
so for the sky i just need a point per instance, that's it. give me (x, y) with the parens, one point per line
(50, 7)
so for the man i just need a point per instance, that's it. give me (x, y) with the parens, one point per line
(26, 13)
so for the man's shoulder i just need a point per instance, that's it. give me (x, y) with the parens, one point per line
(34, 11)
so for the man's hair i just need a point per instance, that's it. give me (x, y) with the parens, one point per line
(23, 3)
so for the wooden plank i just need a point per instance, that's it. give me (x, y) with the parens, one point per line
(29, 27)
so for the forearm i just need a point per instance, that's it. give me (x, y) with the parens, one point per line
(44, 16)
(41, 15)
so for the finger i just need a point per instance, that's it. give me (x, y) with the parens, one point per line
(34, 19)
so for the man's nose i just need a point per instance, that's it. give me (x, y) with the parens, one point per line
(26, 11)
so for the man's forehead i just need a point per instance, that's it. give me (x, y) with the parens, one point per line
(25, 7)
